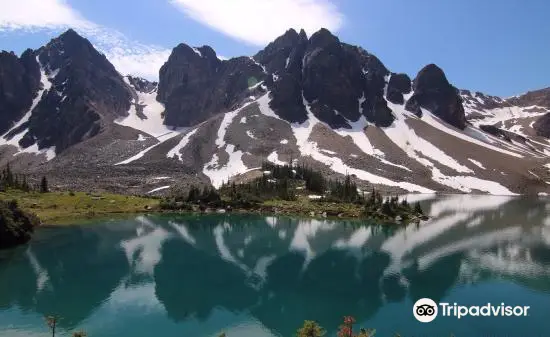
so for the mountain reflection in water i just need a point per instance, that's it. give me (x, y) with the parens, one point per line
(263, 276)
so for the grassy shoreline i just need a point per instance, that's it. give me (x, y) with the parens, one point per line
(63, 208)
(68, 208)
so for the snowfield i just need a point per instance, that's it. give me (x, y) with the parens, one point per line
(151, 121)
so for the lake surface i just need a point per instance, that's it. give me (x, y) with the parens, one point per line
(252, 276)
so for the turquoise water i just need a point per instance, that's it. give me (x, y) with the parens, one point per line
(263, 276)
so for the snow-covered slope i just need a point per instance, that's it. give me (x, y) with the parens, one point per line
(146, 115)
(414, 154)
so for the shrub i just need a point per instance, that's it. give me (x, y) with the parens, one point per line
(16, 226)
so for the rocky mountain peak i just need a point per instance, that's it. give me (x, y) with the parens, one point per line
(276, 56)
(431, 77)
(322, 38)
(195, 85)
(432, 91)
(85, 88)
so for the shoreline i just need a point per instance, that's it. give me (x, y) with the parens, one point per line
(74, 208)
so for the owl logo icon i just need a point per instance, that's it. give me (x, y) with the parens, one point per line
(425, 310)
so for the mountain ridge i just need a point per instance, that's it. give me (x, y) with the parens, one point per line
(312, 99)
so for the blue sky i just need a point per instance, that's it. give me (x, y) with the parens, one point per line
(497, 47)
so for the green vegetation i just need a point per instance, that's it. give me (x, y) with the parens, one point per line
(313, 329)
(66, 207)
(310, 329)
(296, 190)
(11, 180)
(16, 226)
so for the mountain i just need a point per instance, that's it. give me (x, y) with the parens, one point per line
(66, 112)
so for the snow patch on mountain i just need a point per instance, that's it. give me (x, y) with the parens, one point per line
(150, 121)
(176, 151)
(46, 84)
(219, 174)
(158, 189)
(274, 158)
(138, 156)
(359, 137)
(429, 118)
(469, 183)
(302, 133)
(405, 137)
(476, 163)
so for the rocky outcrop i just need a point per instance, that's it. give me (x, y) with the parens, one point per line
(194, 84)
(337, 81)
(542, 126)
(282, 60)
(539, 98)
(398, 85)
(19, 84)
(332, 79)
(433, 92)
(503, 134)
(141, 84)
(375, 108)
(85, 90)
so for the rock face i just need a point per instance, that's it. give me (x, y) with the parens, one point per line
(339, 82)
(195, 85)
(141, 84)
(85, 90)
(283, 63)
(432, 91)
(542, 126)
(19, 84)
(398, 85)
(538, 97)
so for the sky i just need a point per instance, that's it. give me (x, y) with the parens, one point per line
(496, 47)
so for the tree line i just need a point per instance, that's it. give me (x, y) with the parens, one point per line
(287, 182)
(11, 180)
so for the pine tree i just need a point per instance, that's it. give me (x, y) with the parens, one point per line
(44, 185)
(9, 176)
(418, 209)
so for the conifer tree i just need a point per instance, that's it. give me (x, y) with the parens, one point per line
(44, 185)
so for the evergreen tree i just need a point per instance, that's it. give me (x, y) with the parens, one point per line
(44, 185)
(418, 209)
(194, 195)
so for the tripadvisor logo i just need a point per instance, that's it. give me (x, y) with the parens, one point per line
(426, 310)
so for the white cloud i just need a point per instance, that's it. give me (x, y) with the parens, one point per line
(261, 21)
(129, 57)
(39, 14)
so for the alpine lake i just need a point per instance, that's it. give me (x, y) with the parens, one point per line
(262, 276)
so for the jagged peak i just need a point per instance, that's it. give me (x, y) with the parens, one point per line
(323, 38)
(431, 76)
(71, 36)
